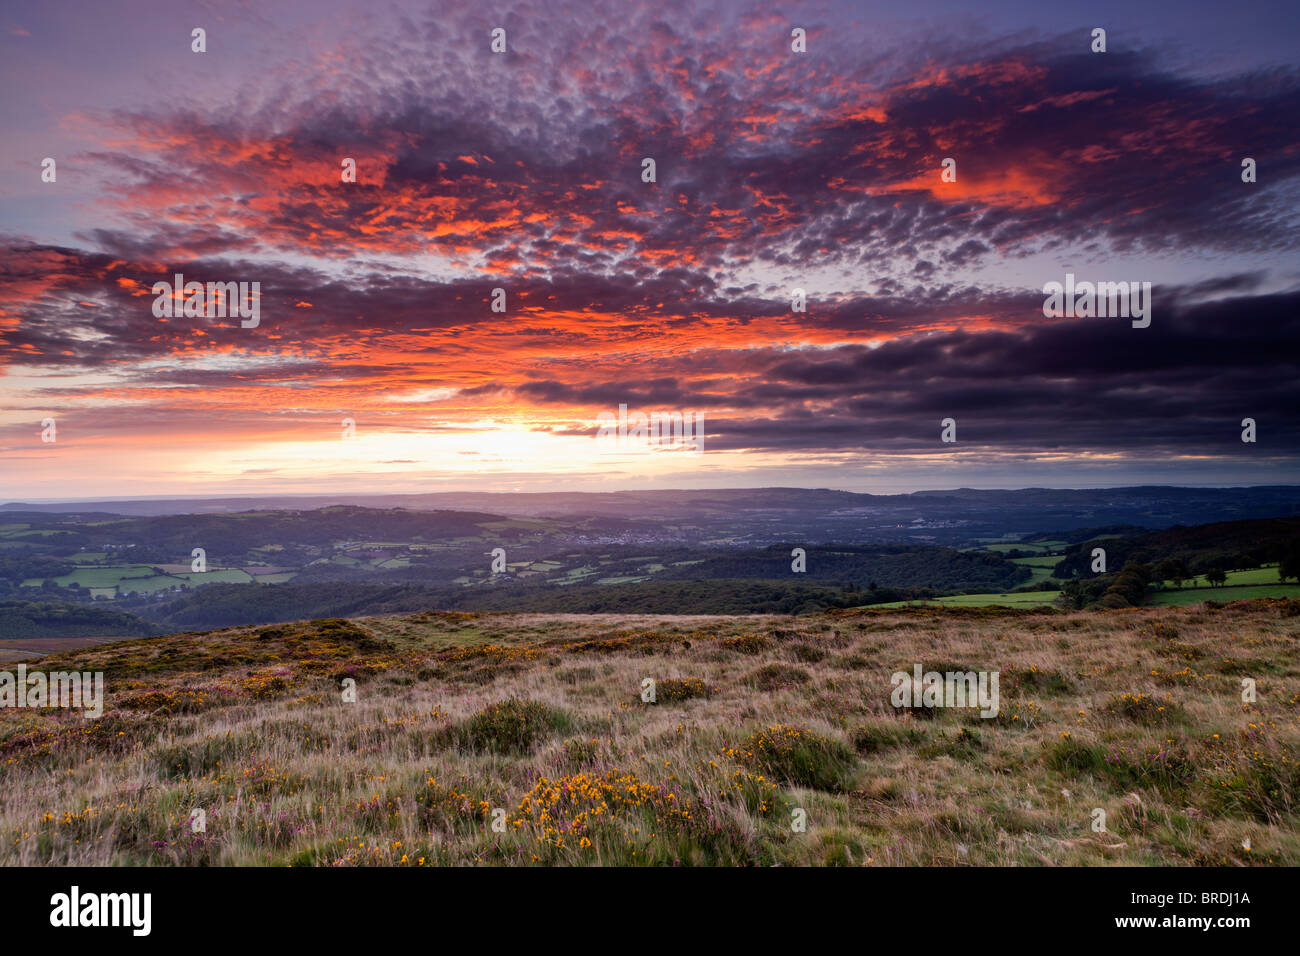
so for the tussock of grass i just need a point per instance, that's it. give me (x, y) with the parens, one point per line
(873, 738)
(772, 677)
(510, 726)
(807, 653)
(964, 744)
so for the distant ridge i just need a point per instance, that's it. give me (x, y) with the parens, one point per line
(1149, 506)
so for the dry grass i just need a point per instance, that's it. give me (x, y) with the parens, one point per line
(536, 724)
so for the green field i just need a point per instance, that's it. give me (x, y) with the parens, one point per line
(1040, 568)
(1261, 575)
(142, 578)
(1196, 595)
(217, 576)
(1040, 547)
(1025, 599)
(1046, 561)
(276, 578)
(98, 577)
(1241, 586)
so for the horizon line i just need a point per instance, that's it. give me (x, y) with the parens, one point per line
(425, 494)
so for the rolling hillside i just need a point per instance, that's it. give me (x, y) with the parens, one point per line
(522, 740)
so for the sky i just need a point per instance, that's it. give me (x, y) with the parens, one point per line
(775, 170)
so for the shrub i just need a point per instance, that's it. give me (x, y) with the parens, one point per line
(1017, 680)
(746, 643)
(167, 702)
(1144, 708)
(1020, 714)
(263, 686)
(1182, 650)
(510, 726)
(808, 653)
(797, 756)
(771, 677)
(672, 689)
(1160, 630)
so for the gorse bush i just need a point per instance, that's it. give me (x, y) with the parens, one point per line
(747, 643)
(1144, 708)
(1160, 630)
(797, 756)
(672, 689)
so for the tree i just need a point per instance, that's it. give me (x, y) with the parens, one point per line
(1181, 573)
(1129, 587)
(1165, 570)
(1173, 569)
(1216, 577)
(1289, 566)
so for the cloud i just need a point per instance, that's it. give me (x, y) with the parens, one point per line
(523, 172)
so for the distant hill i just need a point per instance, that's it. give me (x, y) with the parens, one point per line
(819, 514)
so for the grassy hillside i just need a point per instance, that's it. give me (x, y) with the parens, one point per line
(1138, 713)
